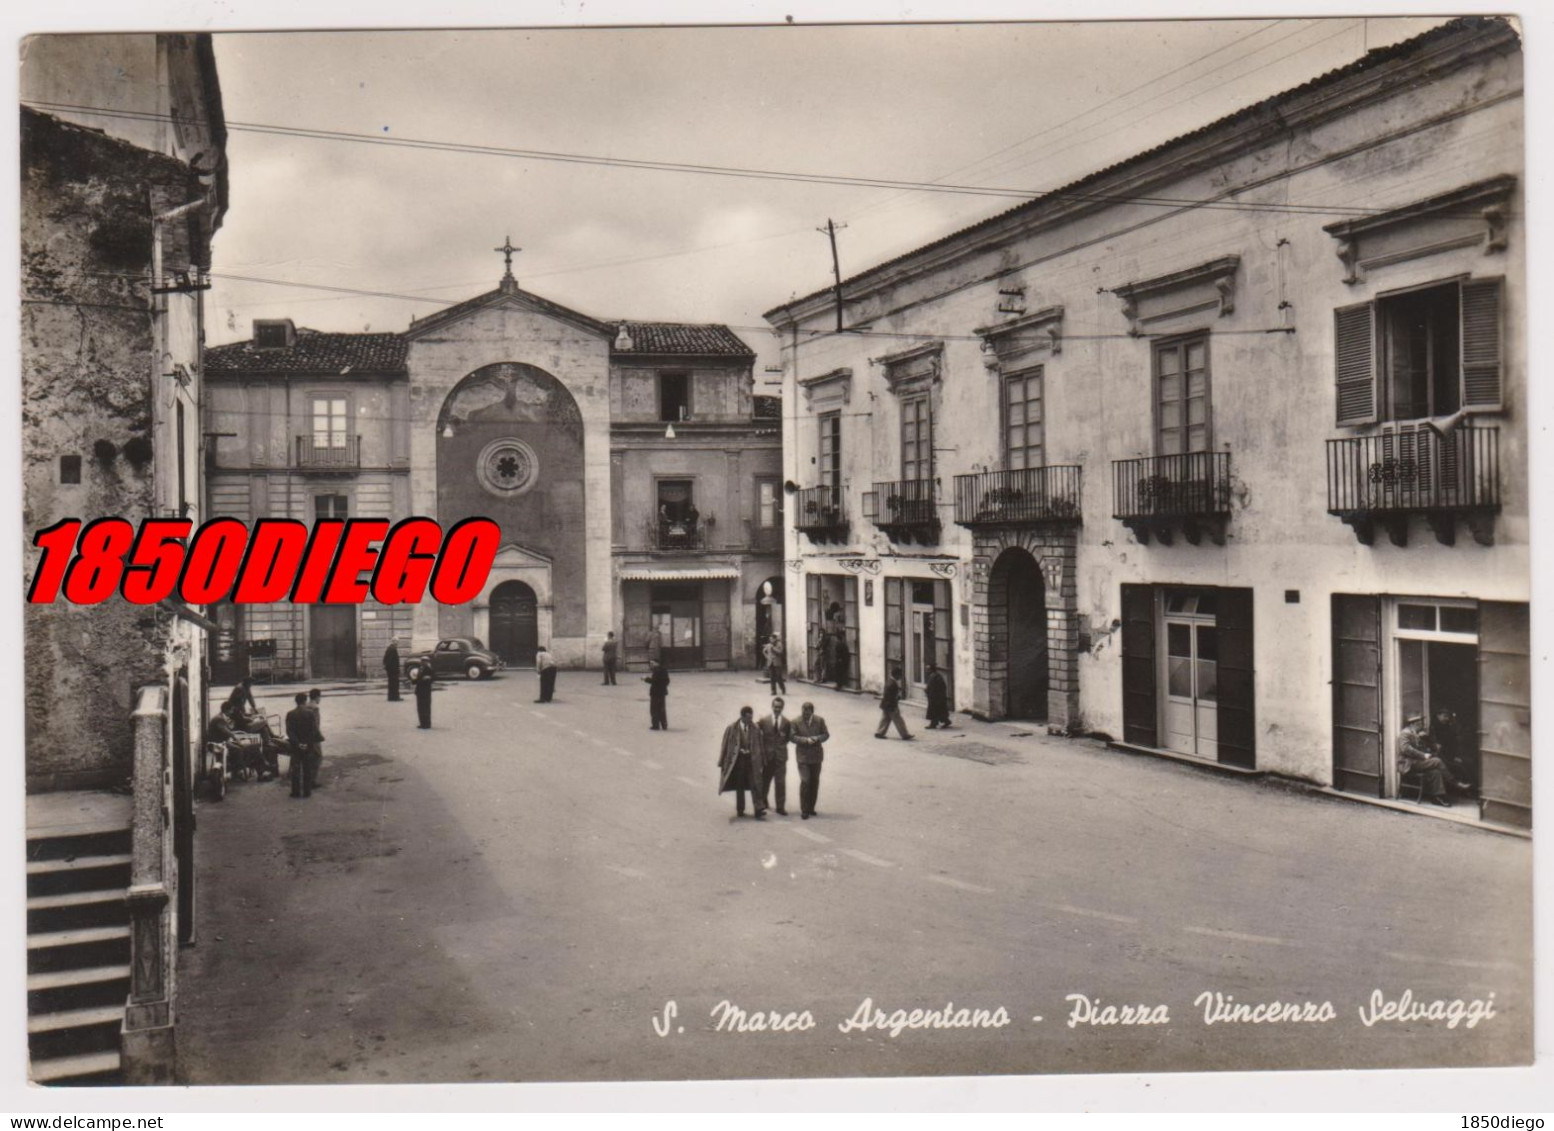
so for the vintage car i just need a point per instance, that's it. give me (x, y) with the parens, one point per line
(458, 655)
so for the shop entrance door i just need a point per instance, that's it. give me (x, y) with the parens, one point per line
(677, 616)
(1191, 673)
(1436, 646)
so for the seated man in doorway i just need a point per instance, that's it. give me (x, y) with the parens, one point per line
(1416, 759)
(1446, 735)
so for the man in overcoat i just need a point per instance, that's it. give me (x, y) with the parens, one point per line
(809, 751)
(890, 707)
(391, 668)
(423, 696)
(611, 655)
(775, 733)
(741, 763)
(938, 690)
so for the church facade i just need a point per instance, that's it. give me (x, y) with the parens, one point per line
(634, 474)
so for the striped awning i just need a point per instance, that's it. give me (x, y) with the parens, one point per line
(678, 573)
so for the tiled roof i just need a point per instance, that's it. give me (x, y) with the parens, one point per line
(313, 351)
(1480, 24)
(684, 338)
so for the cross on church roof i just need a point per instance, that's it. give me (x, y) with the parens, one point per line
(506, 250)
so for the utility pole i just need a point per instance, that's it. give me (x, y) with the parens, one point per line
(836, 269)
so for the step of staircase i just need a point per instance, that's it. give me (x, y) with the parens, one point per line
(59, 1069)
(59, 979)
(77, 863)
(48, 940)
(74, 899)
(75, 1018)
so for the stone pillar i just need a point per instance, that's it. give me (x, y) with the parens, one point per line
(147, 1046)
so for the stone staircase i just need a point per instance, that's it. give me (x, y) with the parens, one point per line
(78, 935)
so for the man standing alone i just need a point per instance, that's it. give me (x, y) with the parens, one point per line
(545, 664)
(302, 733)
(776, 666)
(775, 733)
(938, 689)
(658, 695)
(809, 751)
(423, 695)
(611, 651)
(890, 707)
(391, 667)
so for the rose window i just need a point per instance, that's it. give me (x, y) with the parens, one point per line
(506, 467)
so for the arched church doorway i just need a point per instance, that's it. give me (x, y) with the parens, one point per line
(515, 626)
(1018, 589)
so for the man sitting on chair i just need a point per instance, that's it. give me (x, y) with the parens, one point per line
(1416, 758)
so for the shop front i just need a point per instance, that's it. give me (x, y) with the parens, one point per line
(1459, 667)
(681, 613)
(831, 628)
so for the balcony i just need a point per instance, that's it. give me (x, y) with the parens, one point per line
(1157, 495)
(1030, 497)
(678, 537)
(336, 453)
(1415, 470)
(765, 539)
(819, 514)
(906, 510)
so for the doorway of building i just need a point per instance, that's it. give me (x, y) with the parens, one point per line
(1018, 585)
(515, 630)
(183, 808)
(1191, 676)
(332, 641)
(1437, 680)
(676, 616)
(768, 617)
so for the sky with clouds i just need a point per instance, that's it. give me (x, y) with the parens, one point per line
(1001, 105)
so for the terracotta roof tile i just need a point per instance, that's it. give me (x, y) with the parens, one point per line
(684, 338)
(316, 352)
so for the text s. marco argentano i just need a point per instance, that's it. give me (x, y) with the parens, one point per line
(1211, 1007)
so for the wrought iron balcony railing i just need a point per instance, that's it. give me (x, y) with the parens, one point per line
(679, 536)
(1413, 469)
(819, 513)
(338, 453)
(1154, 495)
(906, 510)
(1196, 484)
(1012, 498)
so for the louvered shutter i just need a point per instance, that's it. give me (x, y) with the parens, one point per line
(1481, 354)
(1354, 346)
(1237, 723)
(1139, 705)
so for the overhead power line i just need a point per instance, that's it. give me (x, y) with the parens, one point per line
(724, 170)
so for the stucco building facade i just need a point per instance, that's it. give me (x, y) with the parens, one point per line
(1219, 452)
(624, 461)
(124, 184)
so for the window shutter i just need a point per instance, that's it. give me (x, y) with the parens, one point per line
(1357, 743)
(895, 623)
(1481, 360)
(1237, 728)
(1139, 708)
(1354, 345)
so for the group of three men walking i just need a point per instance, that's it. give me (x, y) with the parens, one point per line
(754, 758)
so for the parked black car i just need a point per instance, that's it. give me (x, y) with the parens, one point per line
(458, 655)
